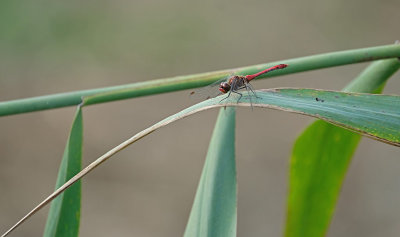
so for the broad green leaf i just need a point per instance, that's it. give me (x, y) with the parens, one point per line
(376, 116)
(320, 159)
(64, 215)
(214, 211)
(318, 164)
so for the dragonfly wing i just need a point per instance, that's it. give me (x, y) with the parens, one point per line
(207, 92)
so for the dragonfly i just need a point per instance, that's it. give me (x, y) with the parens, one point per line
(236, 83)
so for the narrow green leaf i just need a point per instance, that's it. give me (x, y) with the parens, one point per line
(214, 211)
(320, 159)
(302, 64)
(64, 215)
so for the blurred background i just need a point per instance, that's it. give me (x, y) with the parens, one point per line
(50, 47)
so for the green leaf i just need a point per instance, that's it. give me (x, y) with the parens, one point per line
(120, 92)
(318, 164)
(64, 215)
(377, 116)
(320, 159)
(214, 211)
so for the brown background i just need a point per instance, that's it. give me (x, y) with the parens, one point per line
(147, 190)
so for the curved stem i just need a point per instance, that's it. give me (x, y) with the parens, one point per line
(196, 80)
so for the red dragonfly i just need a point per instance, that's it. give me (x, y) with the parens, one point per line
(236, 83)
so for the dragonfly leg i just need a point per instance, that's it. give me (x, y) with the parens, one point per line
(239, 96)
(247, 89)
(235, 89)
(252, 90)
(226, 97)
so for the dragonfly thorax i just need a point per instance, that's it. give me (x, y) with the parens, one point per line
(234, 83)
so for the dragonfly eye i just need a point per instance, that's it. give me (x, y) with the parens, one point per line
(224, 87)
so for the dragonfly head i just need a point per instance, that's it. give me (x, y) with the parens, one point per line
(224, 87)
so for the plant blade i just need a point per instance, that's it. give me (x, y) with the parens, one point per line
(214, 211)
(316, 175)
(302, 64)
(376, 116)
(64, 215)
(371, 112)
(320, 159)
